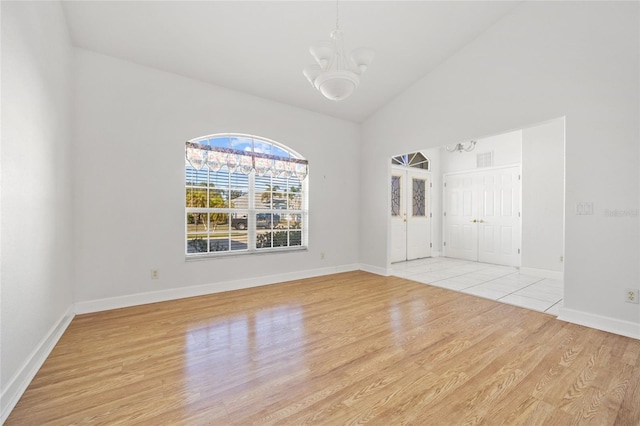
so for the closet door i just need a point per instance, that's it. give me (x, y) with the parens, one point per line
(460, 207)
(482, 216)
(499, 217)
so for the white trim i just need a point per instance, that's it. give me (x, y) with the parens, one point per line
(18, 384)
(543, 273)
(612, 325)
(385, 272)
(88, 306)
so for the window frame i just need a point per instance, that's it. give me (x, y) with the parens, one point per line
(251, 211)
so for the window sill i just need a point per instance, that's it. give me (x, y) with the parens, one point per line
(210, 256)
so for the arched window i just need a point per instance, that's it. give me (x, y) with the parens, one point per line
(415, 159)
(244, 194)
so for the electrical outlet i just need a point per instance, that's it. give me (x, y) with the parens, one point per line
(322, 255)
(155, 274)
(631, 295)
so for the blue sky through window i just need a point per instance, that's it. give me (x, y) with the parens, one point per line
(247, 144)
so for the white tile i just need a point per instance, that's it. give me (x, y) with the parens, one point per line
(427, 277)
(479, 276)
(544, 284)
(453, 284)
(401, 274)
(463, 269)
(523, 280)
(490, 274)
(467, 279)
(451, 273)
(536, 293)
(419, 268)
(555, 309)
(555, 282)
(426, 268)
(488, 293)
(507, 287)
(527, 279)
(504, 283)
(526, 302)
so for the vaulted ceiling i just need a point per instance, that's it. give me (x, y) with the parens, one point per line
(260, 47)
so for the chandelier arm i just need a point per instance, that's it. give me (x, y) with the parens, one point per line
(459, 147)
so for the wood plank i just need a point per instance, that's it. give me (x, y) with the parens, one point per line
(346, 348)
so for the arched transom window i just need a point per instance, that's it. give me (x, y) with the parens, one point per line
(244, 194)
(415, 159)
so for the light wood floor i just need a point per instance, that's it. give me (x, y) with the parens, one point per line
(342, 349)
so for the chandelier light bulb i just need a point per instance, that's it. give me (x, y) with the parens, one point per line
(322, 52)
(362, 57)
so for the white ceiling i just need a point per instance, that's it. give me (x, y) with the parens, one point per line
(260, 47)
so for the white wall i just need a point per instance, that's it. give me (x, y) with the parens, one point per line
(584, 66)
(131, 125)
(37, 231)
(505, 147)
(543, 196)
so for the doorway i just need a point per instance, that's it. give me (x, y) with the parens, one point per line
(410, 213)
(482, 217)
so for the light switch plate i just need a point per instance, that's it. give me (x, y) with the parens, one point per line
(584, 208)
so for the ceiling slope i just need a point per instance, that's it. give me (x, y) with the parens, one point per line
(261, 47)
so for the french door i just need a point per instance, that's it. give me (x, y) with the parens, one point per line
(482, 216)
(410, 214)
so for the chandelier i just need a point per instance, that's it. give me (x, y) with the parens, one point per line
(460, 147)
(337, 72)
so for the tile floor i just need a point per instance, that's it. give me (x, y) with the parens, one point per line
(502, 283)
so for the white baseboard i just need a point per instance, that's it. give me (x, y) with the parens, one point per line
(544, 273)
(385, 272)
(88, 306)
(18, 384)
(612, 325)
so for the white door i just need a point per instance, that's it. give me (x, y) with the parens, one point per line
(410, 214)
(460, 230)
(499, 217)
(398, 216)
(482, 216)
